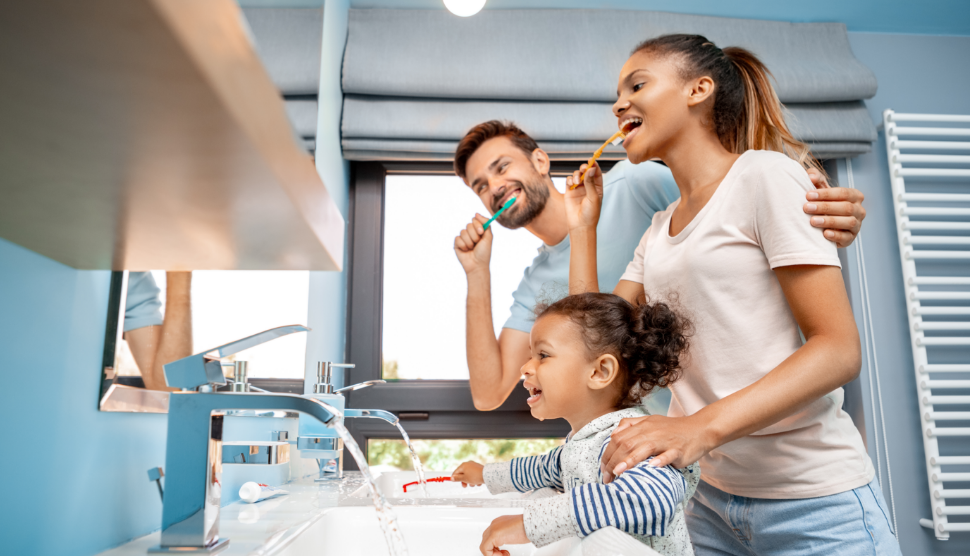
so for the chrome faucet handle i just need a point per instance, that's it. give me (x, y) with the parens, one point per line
(359, 385)
(240, 376)
(324, 383)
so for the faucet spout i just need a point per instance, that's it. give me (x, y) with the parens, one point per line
(190, 514)
(373, 414)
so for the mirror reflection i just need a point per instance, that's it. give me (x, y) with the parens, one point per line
(150, 337)
(164, 316)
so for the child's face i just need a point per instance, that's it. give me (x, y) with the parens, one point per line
(651, 90)
(559, 372)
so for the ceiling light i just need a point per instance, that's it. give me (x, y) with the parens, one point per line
(464, 8)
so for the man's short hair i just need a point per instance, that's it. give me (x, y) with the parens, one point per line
(489, 130)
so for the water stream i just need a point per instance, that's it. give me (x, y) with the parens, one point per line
(418, 468)
(385, 512)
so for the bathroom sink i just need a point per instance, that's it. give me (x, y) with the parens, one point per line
(427, 530)
(392, 485)
(438, 531)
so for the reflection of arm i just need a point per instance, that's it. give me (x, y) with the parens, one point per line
(494, 365)
(154, 346)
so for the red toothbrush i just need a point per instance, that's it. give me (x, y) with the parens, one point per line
(431, 480)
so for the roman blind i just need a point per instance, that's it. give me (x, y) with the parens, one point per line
(415, 81)
(288, 41)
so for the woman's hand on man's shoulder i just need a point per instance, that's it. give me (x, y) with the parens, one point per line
(837, 210)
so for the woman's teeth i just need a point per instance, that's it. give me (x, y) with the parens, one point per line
(630, 124)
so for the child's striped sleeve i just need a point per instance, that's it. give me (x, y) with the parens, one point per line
(525, 474)
(642, 501)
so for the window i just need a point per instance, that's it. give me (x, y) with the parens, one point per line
(406, 309)
(446, 455)
(424, 311)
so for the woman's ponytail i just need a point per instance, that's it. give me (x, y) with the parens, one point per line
(762, 124)
(747, 114)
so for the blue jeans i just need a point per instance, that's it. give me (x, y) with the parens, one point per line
(851, 523)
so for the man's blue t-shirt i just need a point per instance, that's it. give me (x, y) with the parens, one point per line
(632, 193)
(143, 306)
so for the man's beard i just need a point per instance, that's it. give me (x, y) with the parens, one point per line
(536, 195)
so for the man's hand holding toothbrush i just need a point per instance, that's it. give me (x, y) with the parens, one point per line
(473, 246)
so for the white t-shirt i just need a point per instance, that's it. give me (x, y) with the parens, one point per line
(718, 271)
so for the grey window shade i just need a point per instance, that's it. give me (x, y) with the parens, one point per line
(289, 41)
(415, 81)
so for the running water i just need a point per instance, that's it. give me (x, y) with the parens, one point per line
(385, 513)
(418, 468)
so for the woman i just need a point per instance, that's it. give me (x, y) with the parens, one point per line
(784, 470)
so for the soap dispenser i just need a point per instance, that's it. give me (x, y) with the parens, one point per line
(316, 440)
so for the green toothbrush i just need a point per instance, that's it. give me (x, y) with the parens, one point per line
(500, 211)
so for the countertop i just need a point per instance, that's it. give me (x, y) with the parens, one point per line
(265, 527)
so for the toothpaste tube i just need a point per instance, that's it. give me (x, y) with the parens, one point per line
(254, 492)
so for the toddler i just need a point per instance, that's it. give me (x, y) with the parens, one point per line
(594, 356)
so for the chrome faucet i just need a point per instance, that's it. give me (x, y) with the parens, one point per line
(204, 369)
(321, 444)
(373, 414)
(190, 513)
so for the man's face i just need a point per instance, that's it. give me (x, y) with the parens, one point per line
(499, 170)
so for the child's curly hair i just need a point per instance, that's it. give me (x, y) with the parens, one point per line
(648, 339)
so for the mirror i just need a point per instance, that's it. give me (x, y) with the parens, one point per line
(156, 317)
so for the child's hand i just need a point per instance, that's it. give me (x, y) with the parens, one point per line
(508, 529)
(469, 473)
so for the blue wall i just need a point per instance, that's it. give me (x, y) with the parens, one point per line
(327, 316)
(74, 478)
(923, 74)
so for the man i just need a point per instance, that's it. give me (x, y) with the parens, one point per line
(497, 160)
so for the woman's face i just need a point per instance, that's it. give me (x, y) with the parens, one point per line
(652, 99)
(557, 375)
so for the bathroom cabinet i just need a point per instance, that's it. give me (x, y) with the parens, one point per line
(147, 134)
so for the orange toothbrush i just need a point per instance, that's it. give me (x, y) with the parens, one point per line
(615, 140)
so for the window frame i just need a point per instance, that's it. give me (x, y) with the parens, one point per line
(428, 409)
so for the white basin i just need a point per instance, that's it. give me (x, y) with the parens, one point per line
(392, 485)
(437, 531)
(427, 530)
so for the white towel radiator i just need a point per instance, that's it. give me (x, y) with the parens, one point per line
(929, 168)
